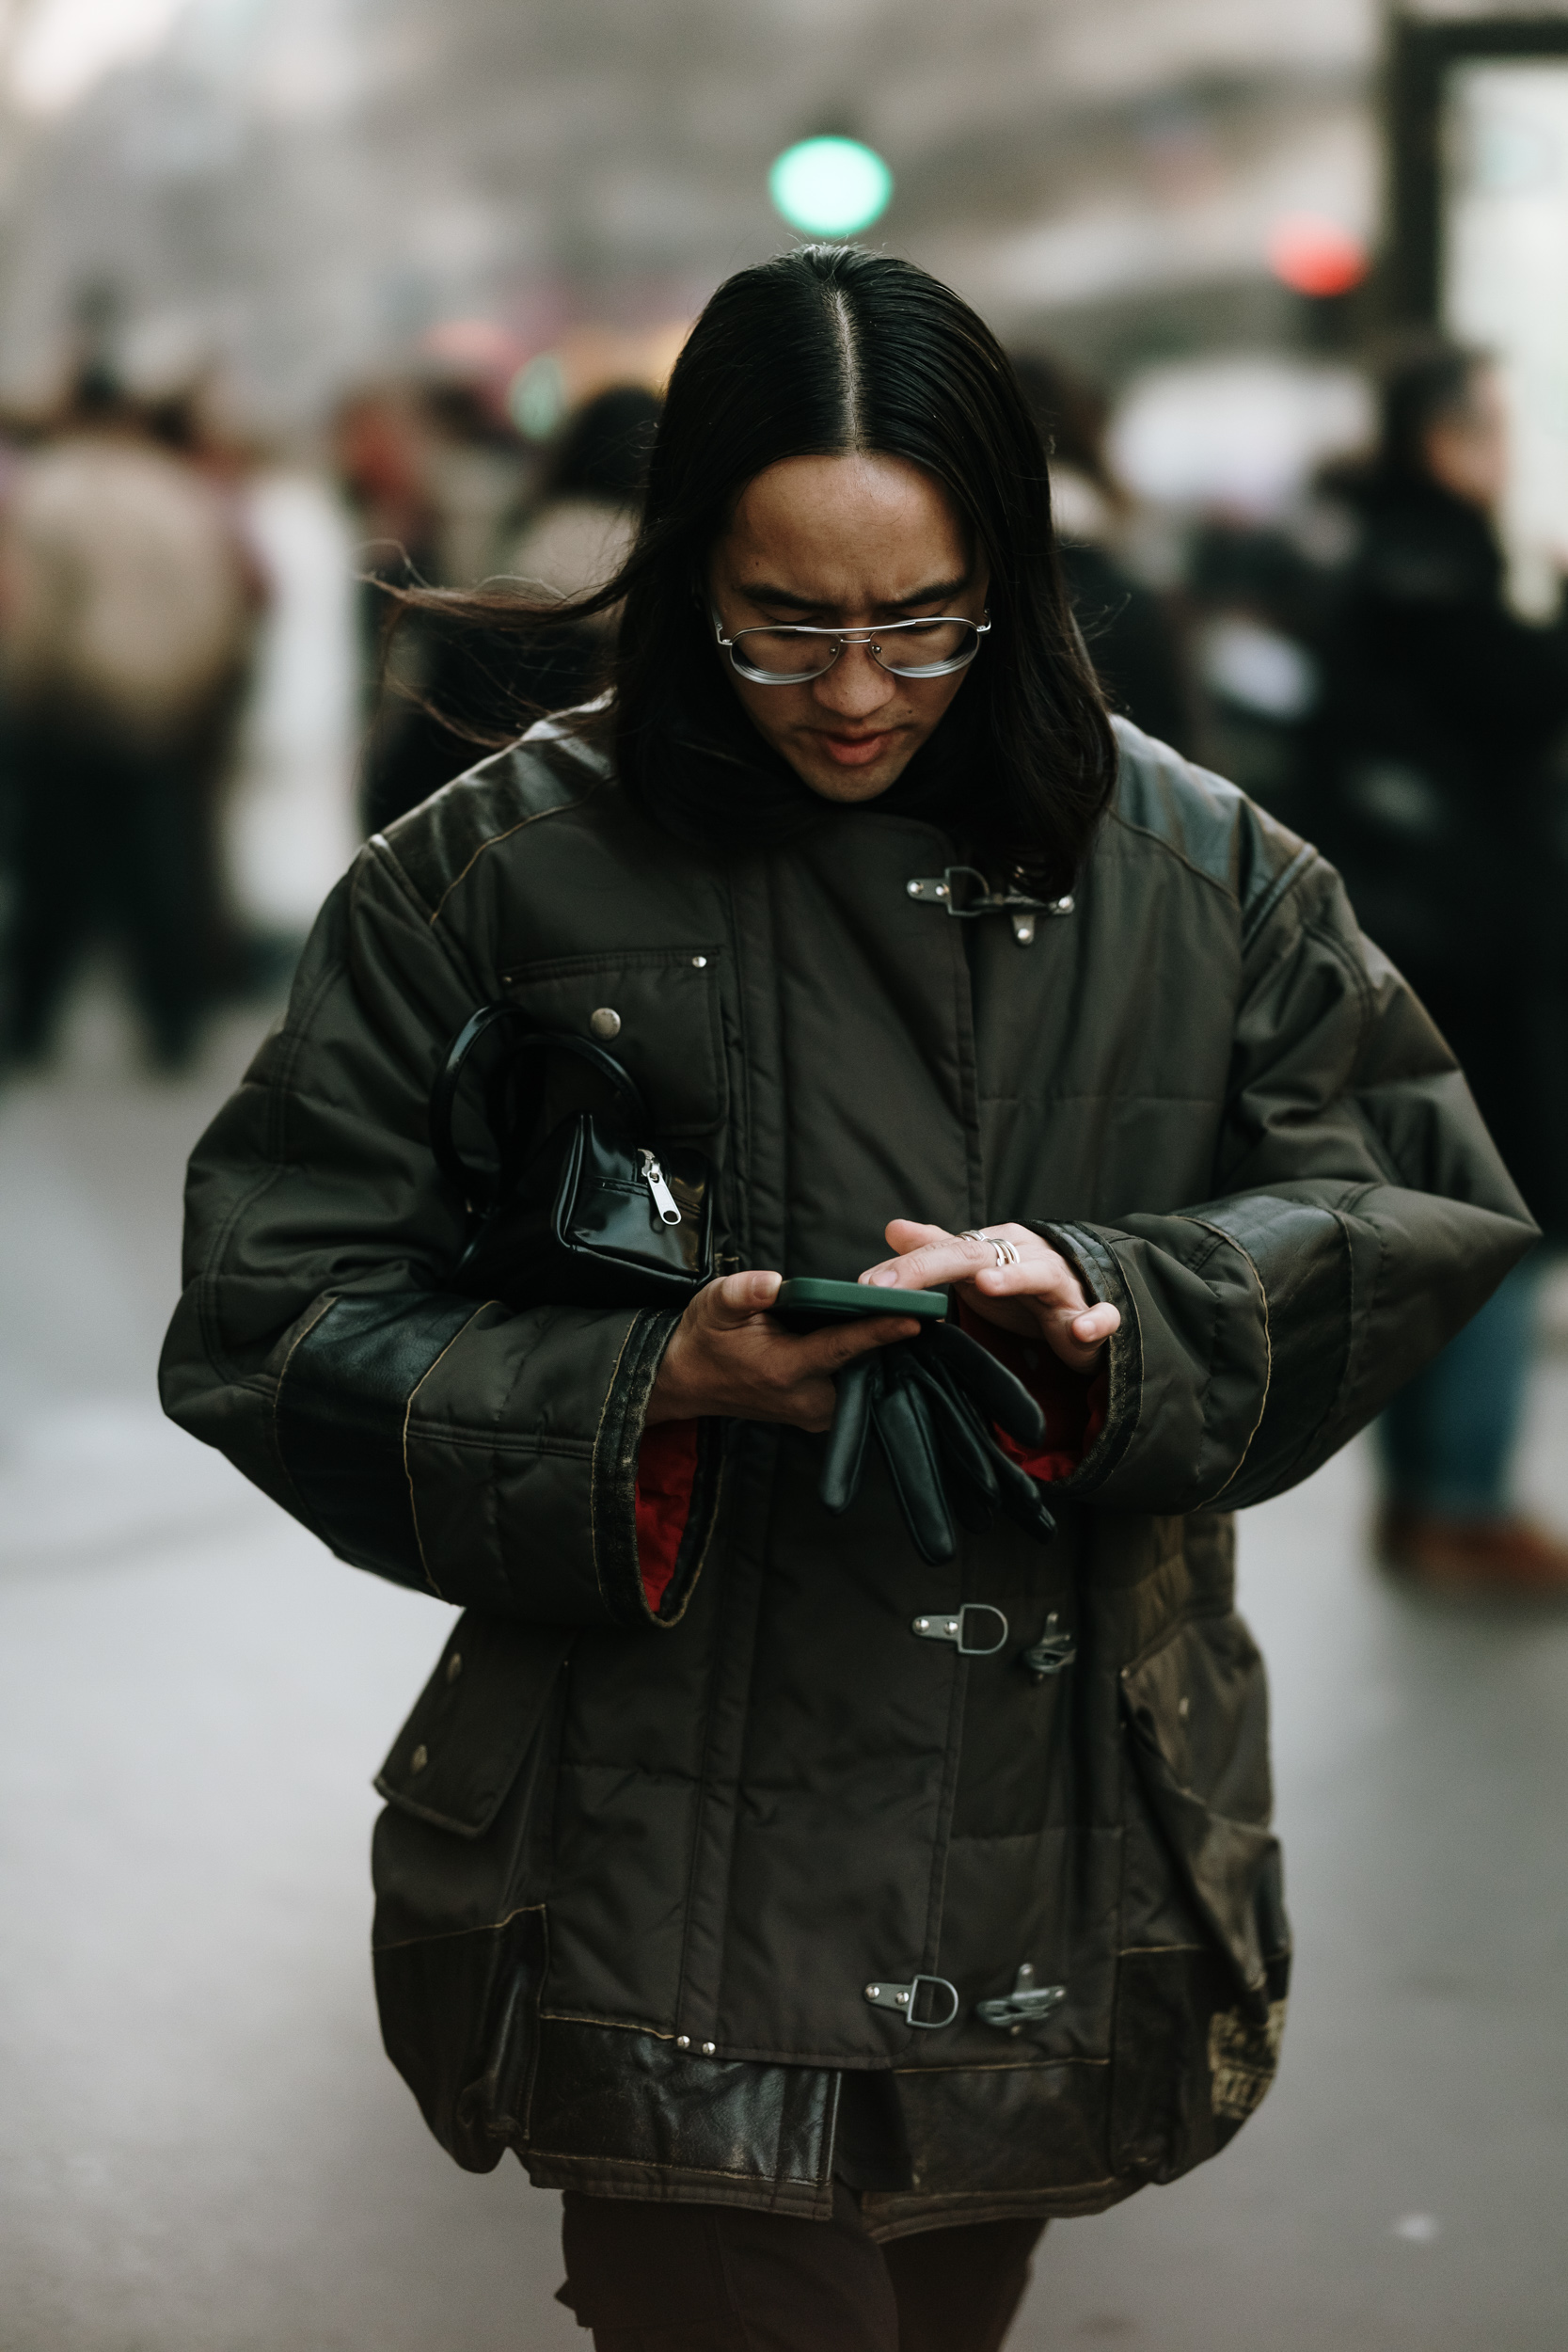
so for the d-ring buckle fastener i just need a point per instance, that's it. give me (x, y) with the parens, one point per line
(902, 1998)
(949, 1625)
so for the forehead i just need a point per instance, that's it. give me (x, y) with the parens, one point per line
(860, 528)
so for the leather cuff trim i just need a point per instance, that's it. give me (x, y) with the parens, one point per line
(340, 1415)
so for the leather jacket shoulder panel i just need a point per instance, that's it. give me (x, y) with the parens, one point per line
(547, 769)
(1209, 824)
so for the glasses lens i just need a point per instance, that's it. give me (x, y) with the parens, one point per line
(909, 649)
(918, 647)
(784, 653)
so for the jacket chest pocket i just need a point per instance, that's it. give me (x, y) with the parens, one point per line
(656, 1009)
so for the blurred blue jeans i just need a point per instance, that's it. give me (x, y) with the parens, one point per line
(1447, 1441)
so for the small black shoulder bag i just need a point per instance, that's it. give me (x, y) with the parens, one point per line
(599, 1214)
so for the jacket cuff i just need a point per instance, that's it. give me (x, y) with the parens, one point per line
(617, 1555)
(340, 1416)
(1121, 1380)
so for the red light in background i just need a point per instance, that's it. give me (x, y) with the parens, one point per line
(1314, 255)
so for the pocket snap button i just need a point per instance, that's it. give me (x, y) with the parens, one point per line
(604, 1021)
(420, 1758)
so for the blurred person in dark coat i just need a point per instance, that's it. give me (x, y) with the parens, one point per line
(126, 603)
(1432, 792)
(1133, 636)
(471, 691)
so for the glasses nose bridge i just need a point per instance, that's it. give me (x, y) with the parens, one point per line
(842, 641)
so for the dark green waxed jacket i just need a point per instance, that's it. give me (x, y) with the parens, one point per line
(639, 1876)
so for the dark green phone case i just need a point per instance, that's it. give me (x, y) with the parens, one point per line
(807, 1301)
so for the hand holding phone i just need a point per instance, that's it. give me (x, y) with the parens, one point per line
(808, 1301)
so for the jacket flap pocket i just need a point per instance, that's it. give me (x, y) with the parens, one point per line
(663, 1003)
(463, 1746)
(1198, 1710)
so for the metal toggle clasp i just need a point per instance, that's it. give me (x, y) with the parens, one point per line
(964, 891)
(1050, 1653)
(902, 1997)
(653, 1176)
(947, 1625)
(1025, 2005)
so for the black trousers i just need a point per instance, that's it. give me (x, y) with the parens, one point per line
(652, 2278)
(107, 839)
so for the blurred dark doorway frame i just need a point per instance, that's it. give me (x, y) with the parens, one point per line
(1422, 52)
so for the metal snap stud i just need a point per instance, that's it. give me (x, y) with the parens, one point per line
(604, 1021)
(455, 1665)
(683, 2041)
(709, 2048)
(699, 963)
(420, 1758)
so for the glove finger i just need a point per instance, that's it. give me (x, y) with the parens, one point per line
(844, 1459)
(1022, 1501)
(904, 1433)
(1002, 1398)
(1017, 1494)
(964, 1444)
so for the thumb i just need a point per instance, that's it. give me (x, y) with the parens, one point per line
(735, 1298)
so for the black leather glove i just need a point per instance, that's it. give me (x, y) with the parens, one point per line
(932, 1402)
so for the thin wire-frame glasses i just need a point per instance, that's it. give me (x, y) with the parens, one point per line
(794, 654)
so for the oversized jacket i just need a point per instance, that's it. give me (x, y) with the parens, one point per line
(649, 1882)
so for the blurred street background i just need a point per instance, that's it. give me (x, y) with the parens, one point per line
(296, 296)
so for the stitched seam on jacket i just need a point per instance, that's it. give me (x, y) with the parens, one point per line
(451, 1935)
(1268, 1351)
(402, 1445)
(1179, 857)
(292, 1040)
(514, 1442)
(323, 1307)
(593, 1472)
(1254, 923)
(536, 816)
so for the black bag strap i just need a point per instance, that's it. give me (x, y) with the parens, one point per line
(533, 1045)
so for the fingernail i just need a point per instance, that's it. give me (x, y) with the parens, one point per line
(884, 1281)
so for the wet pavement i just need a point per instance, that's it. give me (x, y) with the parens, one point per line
(202, 2147)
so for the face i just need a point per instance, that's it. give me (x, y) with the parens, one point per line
(1467, 450)
(844, 542)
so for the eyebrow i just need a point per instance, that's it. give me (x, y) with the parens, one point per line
(764, 592)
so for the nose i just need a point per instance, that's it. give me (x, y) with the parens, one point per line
(855, 687)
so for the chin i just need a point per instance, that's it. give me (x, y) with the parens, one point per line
(852, 786)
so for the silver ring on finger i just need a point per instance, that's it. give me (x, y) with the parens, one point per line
(1005, 1254)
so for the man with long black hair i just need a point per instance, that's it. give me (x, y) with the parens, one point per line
(822, 1913)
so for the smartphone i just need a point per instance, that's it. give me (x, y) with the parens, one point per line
(805, 1302)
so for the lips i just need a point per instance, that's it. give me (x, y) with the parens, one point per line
(853, 750)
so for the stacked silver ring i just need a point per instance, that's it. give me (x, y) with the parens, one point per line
(1007, 1253)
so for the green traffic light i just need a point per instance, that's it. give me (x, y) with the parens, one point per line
(830, 187)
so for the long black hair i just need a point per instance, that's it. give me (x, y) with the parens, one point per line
(820, 352)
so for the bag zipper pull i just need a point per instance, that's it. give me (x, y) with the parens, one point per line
(664, 1200)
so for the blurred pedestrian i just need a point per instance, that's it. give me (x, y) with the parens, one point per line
(1130, 627)
(581, 530)
(1432, 792)
(126, 605)
(455, 690)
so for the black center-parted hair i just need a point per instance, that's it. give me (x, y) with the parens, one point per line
(826, 351)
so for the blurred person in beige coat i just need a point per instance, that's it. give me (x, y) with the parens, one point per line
(126, 602)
